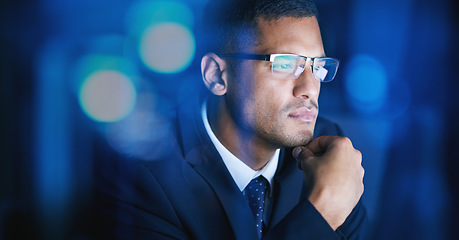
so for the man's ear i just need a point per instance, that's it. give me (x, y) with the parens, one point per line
(214, 73)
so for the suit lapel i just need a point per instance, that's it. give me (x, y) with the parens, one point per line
(199, 151)
(231, 199)
(288, 188)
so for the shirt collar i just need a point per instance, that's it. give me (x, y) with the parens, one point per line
(241, 173)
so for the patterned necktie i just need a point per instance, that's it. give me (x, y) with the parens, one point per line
(255, 193)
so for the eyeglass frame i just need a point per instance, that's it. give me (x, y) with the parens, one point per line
(270, 58)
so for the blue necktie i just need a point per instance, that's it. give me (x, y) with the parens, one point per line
(255, 193)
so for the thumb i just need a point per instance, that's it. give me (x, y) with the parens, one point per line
(301, 153)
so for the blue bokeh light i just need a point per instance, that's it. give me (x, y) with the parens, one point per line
(105, 86)
(107, 96)
(90, 63)
(366, 83)
(163, 34)
(167, 47)
(144, 134)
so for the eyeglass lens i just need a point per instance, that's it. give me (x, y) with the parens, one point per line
(291, 67)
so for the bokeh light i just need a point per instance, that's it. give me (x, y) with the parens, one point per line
(167, 47)
(162, 34)
(146, 133)
(91, 63)
(107, 96)
(366, 83)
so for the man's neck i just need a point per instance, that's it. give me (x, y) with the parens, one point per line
(246, 146)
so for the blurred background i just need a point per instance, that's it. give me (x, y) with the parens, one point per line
(74, 73)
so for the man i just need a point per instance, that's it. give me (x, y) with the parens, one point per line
(245, 164)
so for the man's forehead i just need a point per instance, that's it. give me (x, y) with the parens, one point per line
(289, 35)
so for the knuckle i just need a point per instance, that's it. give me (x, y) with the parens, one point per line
(357, 157)
(343, 142)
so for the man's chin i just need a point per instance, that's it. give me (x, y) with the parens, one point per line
(297, 140)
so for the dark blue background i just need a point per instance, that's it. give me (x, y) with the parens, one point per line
(395, 96)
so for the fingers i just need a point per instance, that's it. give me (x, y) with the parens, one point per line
(316, 147)
(327, 147)
(320, 144)
(334, 175)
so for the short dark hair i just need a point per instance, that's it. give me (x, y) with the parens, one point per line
(230, 23)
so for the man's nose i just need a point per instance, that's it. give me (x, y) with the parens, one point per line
(306, 86)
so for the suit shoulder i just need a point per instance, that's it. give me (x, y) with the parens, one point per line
(325, 127)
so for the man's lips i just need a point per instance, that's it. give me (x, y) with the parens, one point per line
(304, 114)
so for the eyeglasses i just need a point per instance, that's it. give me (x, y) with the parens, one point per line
(290, 66)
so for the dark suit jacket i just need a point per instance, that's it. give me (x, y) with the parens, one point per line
(189, 194)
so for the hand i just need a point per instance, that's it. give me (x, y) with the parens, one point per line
(334, 174)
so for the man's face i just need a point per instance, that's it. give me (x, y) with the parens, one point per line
(277, 111)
